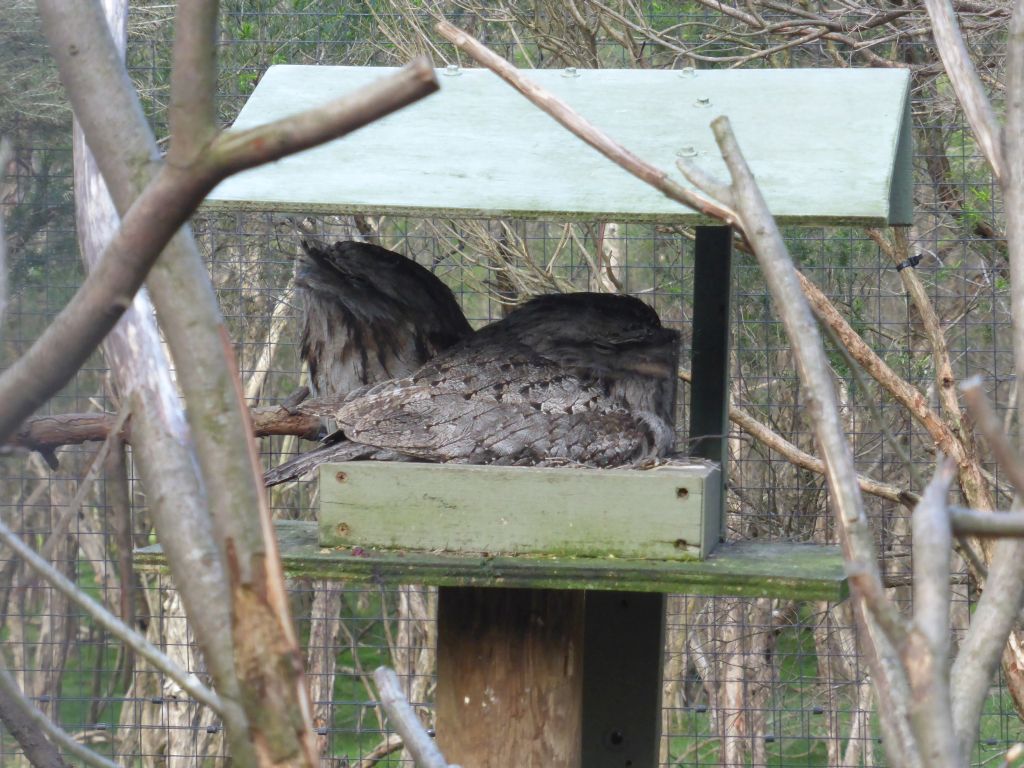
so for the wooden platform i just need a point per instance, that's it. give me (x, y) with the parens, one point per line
(752, 569)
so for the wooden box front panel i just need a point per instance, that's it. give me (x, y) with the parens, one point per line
(661, 513)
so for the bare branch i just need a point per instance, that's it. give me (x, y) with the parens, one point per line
(966, 84)
(237, 150)
(188, 682)
(856, 536)
(163, 445)
(403, 719)
(702, 180)
(991, 428)
(582, 128)
(975, 522)
(1013, 183)
(983, 647)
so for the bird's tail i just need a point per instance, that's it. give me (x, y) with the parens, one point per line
(305, 463)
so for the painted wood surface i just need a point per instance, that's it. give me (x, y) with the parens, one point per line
(750, 569)
(510, 677)
(826, 145)
(660, 513)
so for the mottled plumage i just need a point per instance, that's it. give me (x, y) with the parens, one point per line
(369, 315)
(581, 378)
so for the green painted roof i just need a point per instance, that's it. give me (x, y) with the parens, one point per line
(828, 146)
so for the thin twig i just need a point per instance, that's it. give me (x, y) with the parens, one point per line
(10, 691)
(800, 458)
(585, 130)
(189, 682)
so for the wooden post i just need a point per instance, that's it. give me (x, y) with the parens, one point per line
(623, 654)
(709, 392)
(510, 677)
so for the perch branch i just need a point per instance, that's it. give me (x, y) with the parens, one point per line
(402, 717)
(188, 682)
(45, 433)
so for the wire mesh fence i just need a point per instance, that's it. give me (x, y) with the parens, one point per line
(747, 681)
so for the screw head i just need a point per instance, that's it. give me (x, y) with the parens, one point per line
(687, 151)
(452, 70)
(688, 73)
(570, 72)
(703, 102)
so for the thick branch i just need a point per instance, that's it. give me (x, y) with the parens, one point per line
(164, 450)
(193, 113)
(926, 651)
